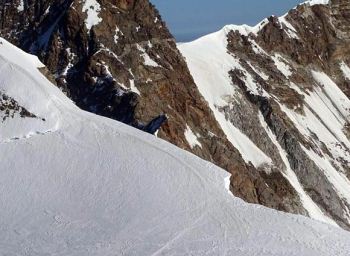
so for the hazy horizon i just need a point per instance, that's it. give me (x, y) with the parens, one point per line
(190, 20)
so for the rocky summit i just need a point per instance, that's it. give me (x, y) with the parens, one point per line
(269, 104)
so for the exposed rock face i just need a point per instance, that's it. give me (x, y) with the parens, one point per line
(9, 108)
(125, 4)
(81, 49)
(117, 59)
(290, 77)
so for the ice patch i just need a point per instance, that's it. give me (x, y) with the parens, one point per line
(117, 34)
(345, 69)
(148, 61)
(192, 138)
(92, 9)
(71, 57)
(281, 65)
(20, 7)
(133, 88)
(47, 10)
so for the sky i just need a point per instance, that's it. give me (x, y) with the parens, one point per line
(190, 19)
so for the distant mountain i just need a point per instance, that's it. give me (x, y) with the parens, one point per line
(280, 91)
(74, 183)
(269, 104)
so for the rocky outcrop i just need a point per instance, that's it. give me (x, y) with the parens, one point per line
(9, 108)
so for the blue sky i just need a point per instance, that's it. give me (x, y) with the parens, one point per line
(189, 19)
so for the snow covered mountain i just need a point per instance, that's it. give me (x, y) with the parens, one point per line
(117, 59)
(74, 183)
(280, 92)
(269, 104)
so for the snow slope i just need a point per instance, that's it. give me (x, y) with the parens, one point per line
(80, 184)
(214, 83)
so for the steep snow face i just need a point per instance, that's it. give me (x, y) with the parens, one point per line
(282, 116)
(94, 186)
(215, 84)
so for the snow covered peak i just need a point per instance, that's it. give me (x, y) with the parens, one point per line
(94, 186)
(246, 29)
(315, 2)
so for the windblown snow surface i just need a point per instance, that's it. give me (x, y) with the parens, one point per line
(73, 183)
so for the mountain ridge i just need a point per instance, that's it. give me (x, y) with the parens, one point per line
(267, 95)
